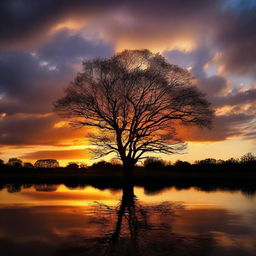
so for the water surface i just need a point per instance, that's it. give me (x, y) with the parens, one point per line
(61, 220)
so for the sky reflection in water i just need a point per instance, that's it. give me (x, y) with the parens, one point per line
(57, 220)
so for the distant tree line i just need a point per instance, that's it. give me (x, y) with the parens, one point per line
(41, 163)
(18, 163)
(248, 159)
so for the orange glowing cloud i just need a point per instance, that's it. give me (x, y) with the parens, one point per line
(73, 154)
(70, 24)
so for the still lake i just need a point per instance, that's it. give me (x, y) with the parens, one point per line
(46, 220)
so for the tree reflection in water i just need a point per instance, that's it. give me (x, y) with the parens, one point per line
(131, 228)
(133, 221)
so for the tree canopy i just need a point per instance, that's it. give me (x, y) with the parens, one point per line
(134, 98)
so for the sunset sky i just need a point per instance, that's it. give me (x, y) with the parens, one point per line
(43, 43)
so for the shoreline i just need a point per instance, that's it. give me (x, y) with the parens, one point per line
(236, 179)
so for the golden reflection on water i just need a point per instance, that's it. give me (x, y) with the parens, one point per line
(59, 221)
(62, 195)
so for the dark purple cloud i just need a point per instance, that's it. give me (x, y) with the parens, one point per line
(195, 59)
(30, 83)
(23, 21)
(213, 85)
(236, 41)
(233, 99)
(26, 85)
(65, 49)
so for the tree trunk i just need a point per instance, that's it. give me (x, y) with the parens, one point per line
(128, 167)
(128, 198)
(127, 204)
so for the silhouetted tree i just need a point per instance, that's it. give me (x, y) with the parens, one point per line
(134, 98)
(154, 163)
(180, 163)
(46, 163)
(115, 162)
(2, 163)
(28, 165)
(83, 165)
(15, 162)
(72, 165)
(101, 165)
(232, 161)
(220, 161)
(248, 158)
(207, 161)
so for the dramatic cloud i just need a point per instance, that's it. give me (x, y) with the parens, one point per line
(236, 41)
(26, 85)
(195, 60)
(212, 86)
(30, 82)
(38, 130)
(161, 25)
(66, 49)
(26, 22)
(247, 96)
(127, 17)
(224, 127)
